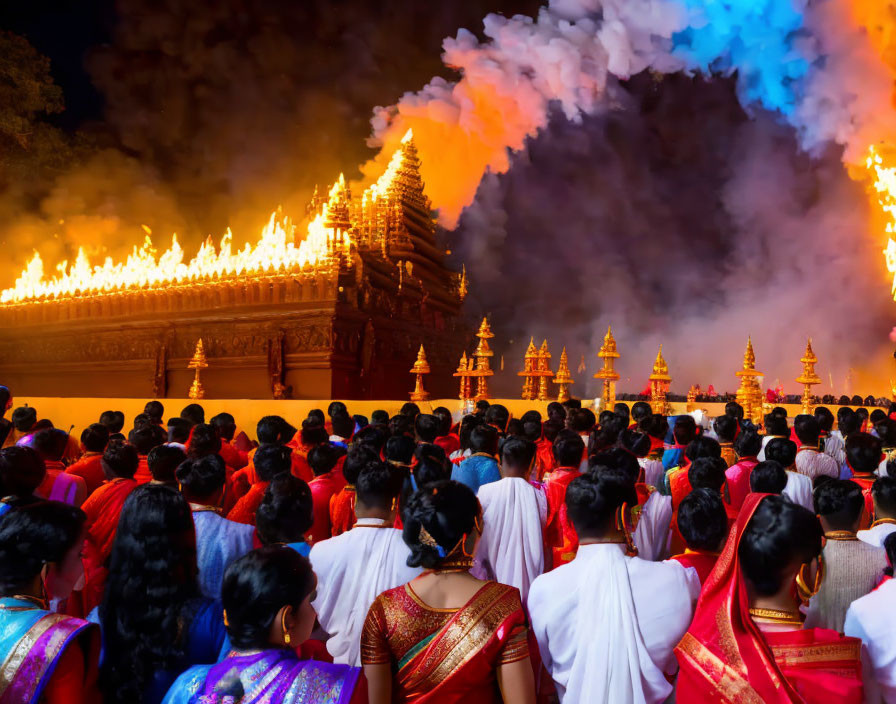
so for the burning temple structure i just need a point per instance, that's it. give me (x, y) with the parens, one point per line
(337, 313)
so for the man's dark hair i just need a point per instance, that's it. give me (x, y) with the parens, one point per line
(113, 420)
(498, 416)
(95, 437)
(427, 427)
(193, 413)
(883, 491)
(484, 438)
(378, 485)
(781, 450)
(550, 429)
(726, 428)
(24, 417)
(733, 408)
(807, 429)
(400, 449)
(271, 460)
(444, 417)
(323, 458)
(825, 419)
(143, 419)
(776, 425)
(225, 424)
(684, 430)
(702, 447)
(557, 412)
(146, 438)
(379, 417)
(343, 425)
(640, 411)
(708, 473)
(848, 422)
(201, 478)
(768, 477)
(517, 453)
(569, 449)
(163, 461)
(120, 460)
(863, 452)
(748, 443)
(582, 420)
(178, 430)
(655, 425)
(839, 502)
(155, 410)
(22, 470)
(702, 520)
(621, 410)
(50, 443)
(409, 409)
(271, 430)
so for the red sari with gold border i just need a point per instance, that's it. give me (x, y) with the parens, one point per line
(445, 656)
(725, 657)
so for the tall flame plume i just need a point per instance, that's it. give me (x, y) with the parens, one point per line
(883, 174)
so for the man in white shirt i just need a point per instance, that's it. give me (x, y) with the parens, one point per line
(355, 567)
(833, 444)
(809, 460)
(512, 549)
(799, 486)
(606, 623)
(872, 618)
(883, 495)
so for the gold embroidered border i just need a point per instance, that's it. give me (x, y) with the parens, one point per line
(726, 681)
(469, 631)
(17, 655)
(805, 654)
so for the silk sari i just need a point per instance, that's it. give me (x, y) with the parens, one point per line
(444, 656)
(725, 657)
(266, 677)
(33, 643)
(342, 510)
(559, 532)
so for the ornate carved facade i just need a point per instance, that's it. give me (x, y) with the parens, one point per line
(348, 330)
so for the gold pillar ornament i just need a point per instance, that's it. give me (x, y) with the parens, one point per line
(608, 375)
(809, 377)
(749, 395)
(482, 354)
(463, 371)
(563, 379)
(530, 372)
(659, 384)
(198, 362)
(421, 367)
(544, 372)
(692, 399)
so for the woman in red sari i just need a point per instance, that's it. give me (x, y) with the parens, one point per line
(446, 637)
(747, 642)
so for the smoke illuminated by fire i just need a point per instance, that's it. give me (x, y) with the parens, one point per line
(884, 185)
(275, 252)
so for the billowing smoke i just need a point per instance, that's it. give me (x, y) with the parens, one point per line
(597, 224)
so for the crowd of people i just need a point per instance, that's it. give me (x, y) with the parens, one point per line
(622, 558)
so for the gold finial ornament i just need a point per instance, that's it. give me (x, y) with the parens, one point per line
(481, 355)
(563, 379)
(198, 362)
(463, 372)
(692, 398)
(809, 377)
(608, 374)
(463, 286)
(659, 384)
(421, 367)
(544, 371)
(530, 372)
(749, 395)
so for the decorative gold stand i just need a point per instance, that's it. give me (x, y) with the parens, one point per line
(544, 372)
(608, 374)
(563, 378)
(421, 367)
(482, 354)
(809, 377)
(198, 362)
(749, 395)
(530, 372)
(659, 384)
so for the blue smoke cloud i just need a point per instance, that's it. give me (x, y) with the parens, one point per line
(759, 39)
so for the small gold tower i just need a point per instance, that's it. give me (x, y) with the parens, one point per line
(608, 374)
(749, 395)
(563, 379)
(198, 362)
(530, 372)
(692, 399)
(421, 367)
(463, 371)
(482, 354)
(809, 377)
(544, 372)
(659, 383)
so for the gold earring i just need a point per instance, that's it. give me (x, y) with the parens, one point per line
(283, 628)
(802, 584)
(226, 622)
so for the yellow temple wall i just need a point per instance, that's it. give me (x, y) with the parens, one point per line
(81, 412)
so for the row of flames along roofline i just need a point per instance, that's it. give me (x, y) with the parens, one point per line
(537, 375)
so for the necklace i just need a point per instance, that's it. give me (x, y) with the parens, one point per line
(199, 508)
(840, 535)
(613, 541)
(776, 616)
(883, 521)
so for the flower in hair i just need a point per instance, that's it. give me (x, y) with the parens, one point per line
(427, 539)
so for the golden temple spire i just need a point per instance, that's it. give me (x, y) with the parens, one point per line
(609, 354)
(659, 384)
(483, 367)
(198, 362)
(530, 372)
(563, 378)
(809, 377)
(544, 371)
(749, 395)
(421, 367)
(463, 371)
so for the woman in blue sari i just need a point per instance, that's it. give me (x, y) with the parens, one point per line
(46, 657)
(267, 604)
(155, 625)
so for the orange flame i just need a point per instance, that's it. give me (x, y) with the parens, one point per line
(276, 251)
(884, 184)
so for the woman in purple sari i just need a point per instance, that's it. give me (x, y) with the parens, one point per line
(46, 657)
(267, 598)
